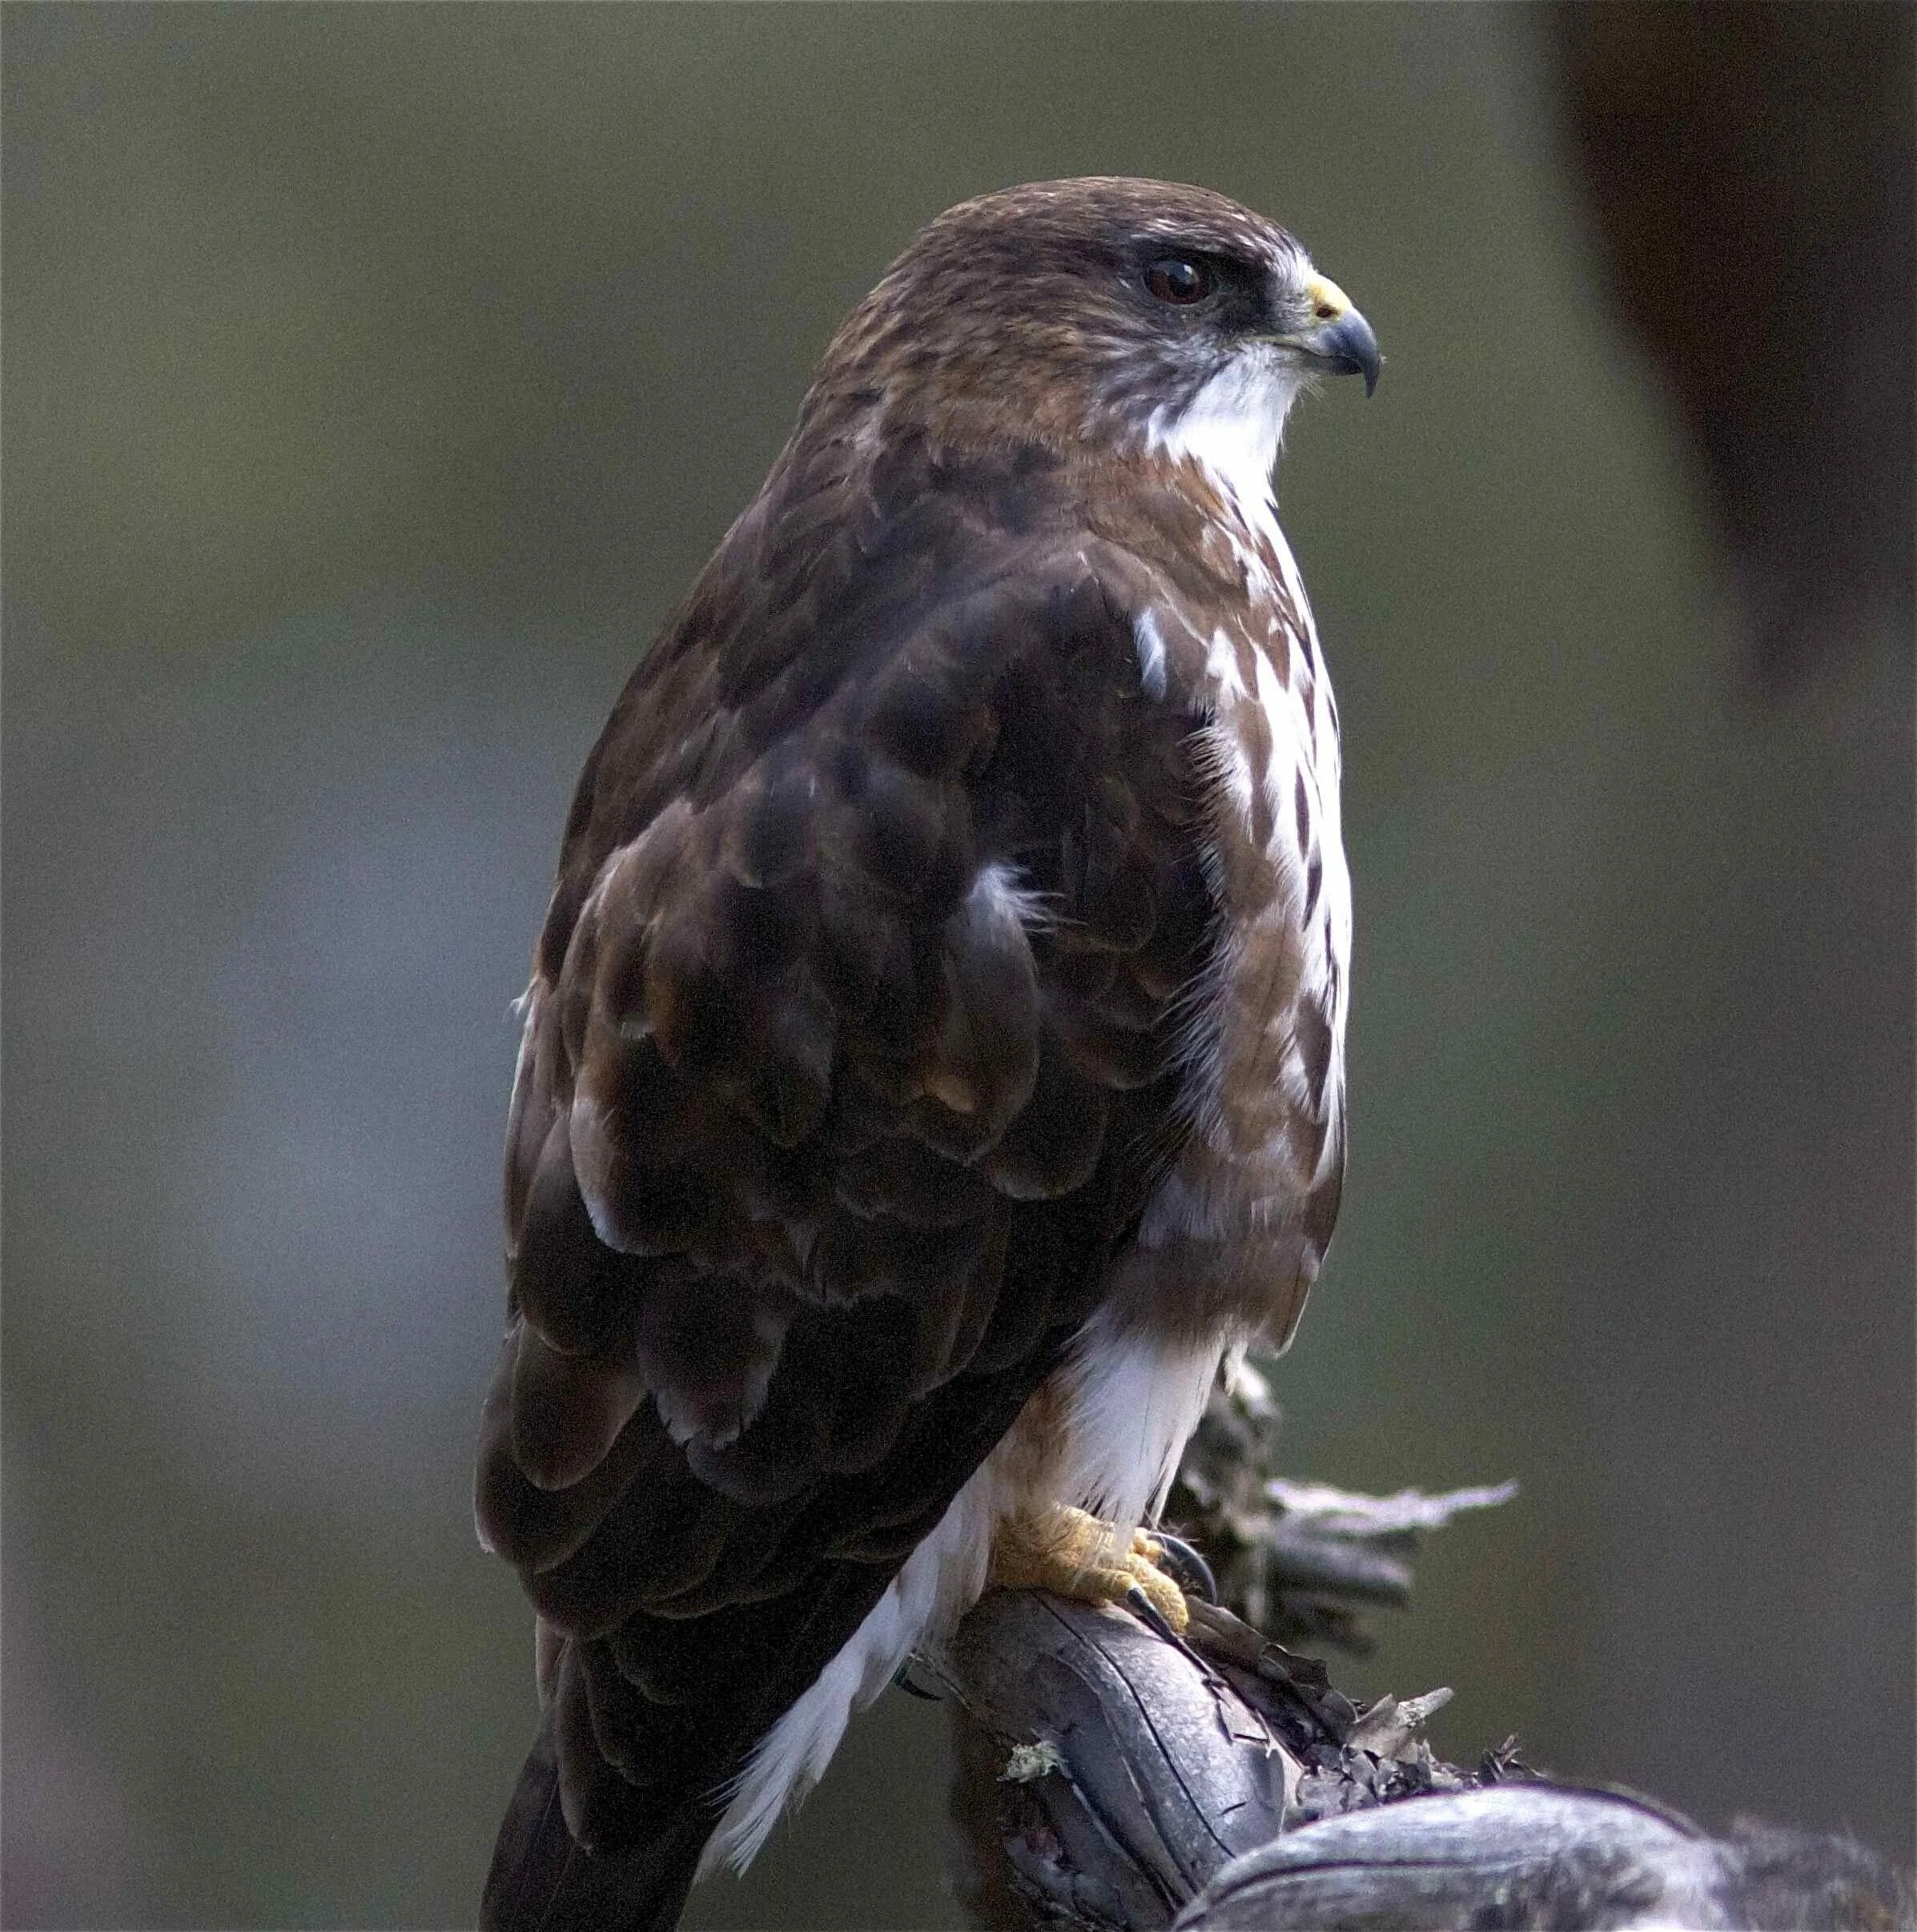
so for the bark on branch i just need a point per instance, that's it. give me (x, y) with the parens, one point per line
(1112, 1780)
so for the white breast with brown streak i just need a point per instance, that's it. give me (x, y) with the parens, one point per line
(1231, 1239)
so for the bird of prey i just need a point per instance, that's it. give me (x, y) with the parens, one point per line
(933, 1063)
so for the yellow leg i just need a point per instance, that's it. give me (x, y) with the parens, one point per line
(1072, 1554)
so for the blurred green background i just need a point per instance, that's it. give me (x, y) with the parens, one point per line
(375, 381)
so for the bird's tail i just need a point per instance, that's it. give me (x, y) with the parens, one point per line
(542, 1880)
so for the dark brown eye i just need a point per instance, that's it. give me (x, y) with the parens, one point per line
(1174, 278)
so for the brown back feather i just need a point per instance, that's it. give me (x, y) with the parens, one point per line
(813, 1132)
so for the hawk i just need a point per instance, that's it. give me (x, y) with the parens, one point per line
(933, 1063)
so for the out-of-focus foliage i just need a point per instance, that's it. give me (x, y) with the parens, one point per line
(375, 381)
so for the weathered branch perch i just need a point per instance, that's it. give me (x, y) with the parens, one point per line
(1112, 1780)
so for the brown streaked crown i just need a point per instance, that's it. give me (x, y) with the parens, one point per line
(1029, 314)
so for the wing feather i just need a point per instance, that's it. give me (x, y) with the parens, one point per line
(846, 1065)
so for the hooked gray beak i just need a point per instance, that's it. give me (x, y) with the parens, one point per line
(1341, 337)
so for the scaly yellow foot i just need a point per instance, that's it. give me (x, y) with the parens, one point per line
(1073, 1554)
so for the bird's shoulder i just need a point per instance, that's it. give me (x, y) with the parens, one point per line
(849, 1060)
(896, 563)
(880, 890)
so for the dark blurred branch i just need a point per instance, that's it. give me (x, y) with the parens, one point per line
(1112, 1780)
(1751, 173)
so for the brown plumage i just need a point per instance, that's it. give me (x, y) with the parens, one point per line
(933, 1059)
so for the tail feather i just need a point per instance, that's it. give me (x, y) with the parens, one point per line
(542, 1880)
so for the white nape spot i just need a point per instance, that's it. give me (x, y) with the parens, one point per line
(1134, 1398)
(940, 1581)
(1150, 654)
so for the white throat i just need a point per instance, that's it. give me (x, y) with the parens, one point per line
(1232, 427)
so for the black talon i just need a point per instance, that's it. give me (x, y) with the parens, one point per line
(1143, 1607)
(902, 1678)
(1188, 1570)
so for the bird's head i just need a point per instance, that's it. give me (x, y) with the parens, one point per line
(1101, 314)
